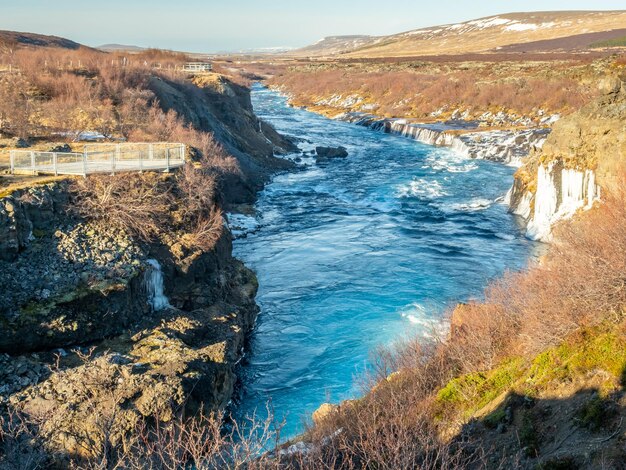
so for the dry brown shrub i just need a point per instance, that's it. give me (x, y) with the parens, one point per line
(402, 90)
(202, 441)
(138, 204)
(207, 230)
(390, 428)
(580, 282)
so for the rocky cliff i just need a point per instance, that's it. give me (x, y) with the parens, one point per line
(99, 325)
(217, 105)
(81, 324)
(583, 155)
(508, 146)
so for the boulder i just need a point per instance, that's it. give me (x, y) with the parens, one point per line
(63, 148)
(323, 412)
(20, 143)
(326, 153)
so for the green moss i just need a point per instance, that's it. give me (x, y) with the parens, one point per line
(592, 349)
(616, 42)
(599, 348)
(472, 392)
(38, 233)
(36, 309)
(593, 413)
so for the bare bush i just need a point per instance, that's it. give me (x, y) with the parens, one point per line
(207, 231)
(406, 89)
(137, 204)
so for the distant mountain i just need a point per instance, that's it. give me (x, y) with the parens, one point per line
(482, 35)
(36, 40)
(335, 45)
(120, 48)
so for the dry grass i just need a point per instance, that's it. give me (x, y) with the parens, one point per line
(417, 89)
(150, 205)
(136, 204)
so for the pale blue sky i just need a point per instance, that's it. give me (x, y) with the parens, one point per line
(217, 25)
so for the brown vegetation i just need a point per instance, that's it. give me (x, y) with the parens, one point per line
(46, 93)
(149, 205)
(417, 89)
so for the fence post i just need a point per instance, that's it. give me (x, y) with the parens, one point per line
(167, 159)
(32, 161)
(85, 161)
(183, 153)
(115, 156)
(12, 157)
(54, 164)
(151, 151)
(141, 161)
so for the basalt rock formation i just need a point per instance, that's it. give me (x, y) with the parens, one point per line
(583, 155)
(77, 295)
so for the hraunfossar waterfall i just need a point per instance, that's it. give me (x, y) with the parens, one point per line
(360, 252)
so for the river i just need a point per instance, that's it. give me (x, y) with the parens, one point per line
(361, 252)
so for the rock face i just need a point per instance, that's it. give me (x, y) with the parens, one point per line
(224, 108)
(69, 286)
(464, 137)
(25, 212)
(100, 328)
(584, 154)
(166, 363)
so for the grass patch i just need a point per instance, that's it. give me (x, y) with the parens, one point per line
(616, 42)
(598, 348)
(588, 350)
(492, 420)
(471, 392)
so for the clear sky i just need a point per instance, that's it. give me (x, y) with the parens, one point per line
(220, 25)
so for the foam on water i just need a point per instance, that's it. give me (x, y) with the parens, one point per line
(477, 204)
(421, 187)
(241, 225)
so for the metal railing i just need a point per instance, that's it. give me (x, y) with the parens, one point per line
(101, 158)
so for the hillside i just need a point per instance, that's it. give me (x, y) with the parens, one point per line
(15, 38)
(482, 35)
(120, 48)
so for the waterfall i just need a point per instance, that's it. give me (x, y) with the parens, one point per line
(578, 190)
(153, 282)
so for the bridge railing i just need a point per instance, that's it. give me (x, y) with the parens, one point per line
(100, 158)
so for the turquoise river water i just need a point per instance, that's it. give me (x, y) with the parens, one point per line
(361, 252)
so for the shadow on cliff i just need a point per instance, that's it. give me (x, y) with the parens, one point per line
(581, 429)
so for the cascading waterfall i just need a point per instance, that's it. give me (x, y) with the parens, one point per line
(153, 282)
(578, 190)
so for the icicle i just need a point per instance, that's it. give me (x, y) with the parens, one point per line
(153, 282)
(545, 205)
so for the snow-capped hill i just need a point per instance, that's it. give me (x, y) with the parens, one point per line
(335, 45)
(483, 35)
